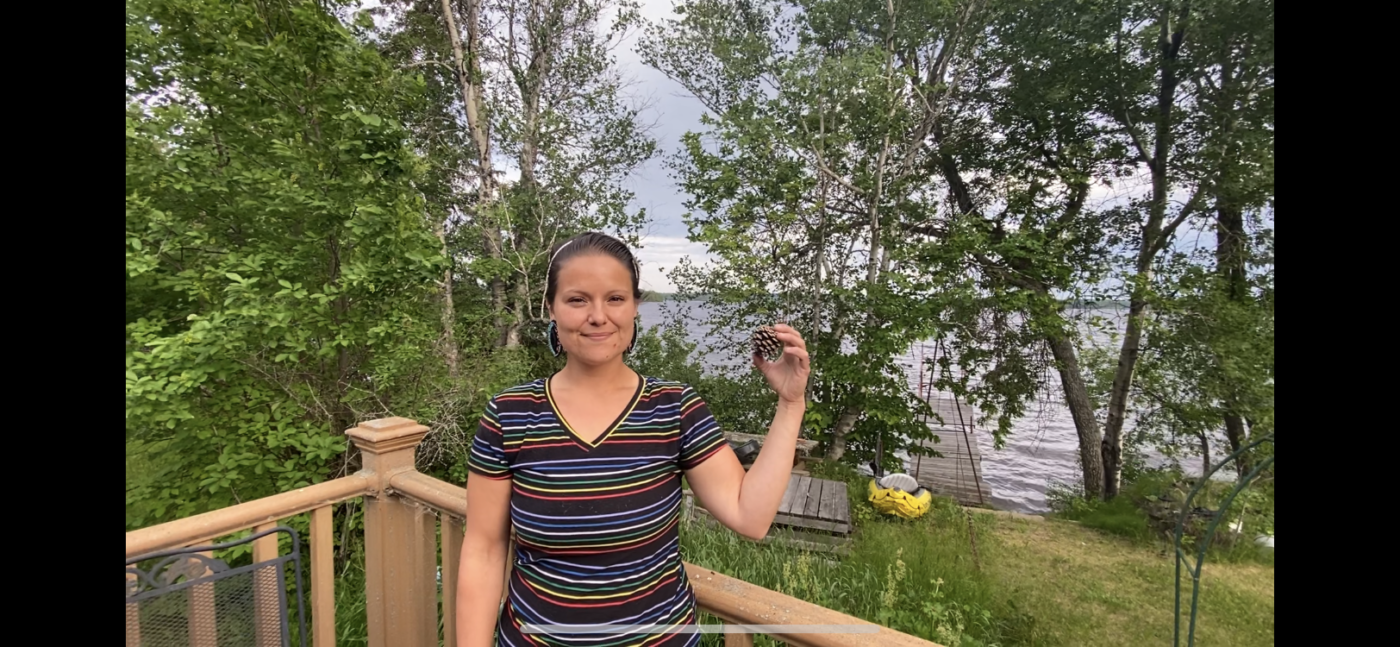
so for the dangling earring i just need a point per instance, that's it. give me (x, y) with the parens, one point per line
(553, 335)
(636, 332)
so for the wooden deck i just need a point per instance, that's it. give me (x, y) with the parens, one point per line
(958, 473)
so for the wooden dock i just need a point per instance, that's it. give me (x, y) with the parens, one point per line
(958, 473)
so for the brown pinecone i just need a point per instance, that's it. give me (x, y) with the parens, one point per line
(765, 343)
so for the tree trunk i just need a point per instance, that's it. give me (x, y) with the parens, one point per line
(521, 307)
(1082, 410)
(843, 426)
(816, 287)
(468, 67)
(1154, 238)
(1230, 255)
(1205, 453)
(449, 317)
(1118, 396)
(498, 287)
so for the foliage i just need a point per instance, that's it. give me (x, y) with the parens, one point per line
(740, 401)
(1150, 507)
(810, 195)
(278, 262)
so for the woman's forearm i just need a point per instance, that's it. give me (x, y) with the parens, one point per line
(480, 581)
(765, 481)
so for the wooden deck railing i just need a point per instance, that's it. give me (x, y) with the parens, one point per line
(404, 512)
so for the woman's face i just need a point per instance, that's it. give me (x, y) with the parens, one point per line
(594, 310)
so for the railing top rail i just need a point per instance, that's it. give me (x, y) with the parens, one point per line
(439, 495)
(218, 523)
(736, 601)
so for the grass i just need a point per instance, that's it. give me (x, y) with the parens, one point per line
(1105, 582)
(1088, 588)
(1117, 517)
(917, 577)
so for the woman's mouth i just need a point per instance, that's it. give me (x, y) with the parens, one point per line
(598, 336)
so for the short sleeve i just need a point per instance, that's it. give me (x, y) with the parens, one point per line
(700, 434)
(488, 455)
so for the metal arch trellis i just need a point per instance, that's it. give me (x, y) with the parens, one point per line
(1186, 507)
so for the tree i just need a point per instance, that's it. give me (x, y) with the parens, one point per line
(536, 92)
(950, 151)
(1179, 92)
(279, 264)
(812, 191)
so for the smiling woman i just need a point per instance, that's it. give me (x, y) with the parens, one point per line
(587, 465)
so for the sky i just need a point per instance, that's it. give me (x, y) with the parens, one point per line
(674, 112)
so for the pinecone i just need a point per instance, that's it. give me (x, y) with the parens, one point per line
(765, 343)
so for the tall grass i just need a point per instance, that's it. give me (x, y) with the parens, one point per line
(919, 577)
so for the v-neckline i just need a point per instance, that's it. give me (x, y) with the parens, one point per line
(622, 417)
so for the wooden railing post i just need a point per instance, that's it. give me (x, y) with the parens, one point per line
(203, 625)
(322, 578)
(266, 583)
(453, 531)
(400, 540)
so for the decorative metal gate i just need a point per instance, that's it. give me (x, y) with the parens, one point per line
(185, 596)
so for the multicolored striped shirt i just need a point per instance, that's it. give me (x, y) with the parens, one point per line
(596, 522)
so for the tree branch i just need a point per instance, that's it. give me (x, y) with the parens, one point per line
(1131, 128)
(1186, 212)
(448, 66)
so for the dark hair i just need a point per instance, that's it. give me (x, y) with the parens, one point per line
(585, 244)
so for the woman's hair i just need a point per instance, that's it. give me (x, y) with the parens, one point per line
(585, 244)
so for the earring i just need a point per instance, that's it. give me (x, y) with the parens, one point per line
(553, 336)
(636, 332)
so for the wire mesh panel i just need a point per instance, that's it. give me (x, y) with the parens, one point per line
(188, 598)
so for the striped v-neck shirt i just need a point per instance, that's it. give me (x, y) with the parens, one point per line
(596, 522)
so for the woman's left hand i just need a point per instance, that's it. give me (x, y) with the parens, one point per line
(788, 375)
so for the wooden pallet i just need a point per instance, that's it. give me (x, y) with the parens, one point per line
(815, 504)
(815, 514)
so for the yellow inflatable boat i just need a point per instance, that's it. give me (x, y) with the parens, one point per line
(900, 495)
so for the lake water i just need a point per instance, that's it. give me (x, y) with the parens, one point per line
(1043, 445)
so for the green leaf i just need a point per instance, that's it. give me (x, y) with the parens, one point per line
(234, 277)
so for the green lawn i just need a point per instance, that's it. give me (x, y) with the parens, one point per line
(1048, 582)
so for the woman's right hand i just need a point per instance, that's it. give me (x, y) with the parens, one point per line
(788, 375)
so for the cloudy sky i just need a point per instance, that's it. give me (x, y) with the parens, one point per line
(674, 112)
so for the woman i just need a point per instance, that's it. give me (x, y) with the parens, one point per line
(587, 466)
